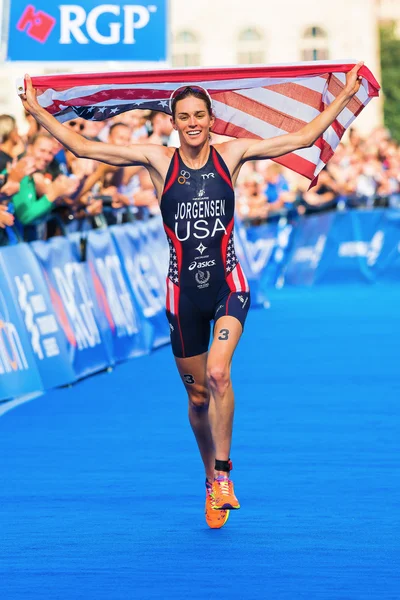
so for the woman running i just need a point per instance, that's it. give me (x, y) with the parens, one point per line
(205, 283)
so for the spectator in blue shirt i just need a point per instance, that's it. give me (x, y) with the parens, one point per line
(277, 189)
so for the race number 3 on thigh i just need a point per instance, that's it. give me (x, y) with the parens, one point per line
(227, 332)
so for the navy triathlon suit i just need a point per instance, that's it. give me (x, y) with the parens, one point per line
(205, 280)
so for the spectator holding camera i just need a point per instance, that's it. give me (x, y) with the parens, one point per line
(38, 192)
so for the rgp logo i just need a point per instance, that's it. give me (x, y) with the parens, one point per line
(201, 265)
(38, 24)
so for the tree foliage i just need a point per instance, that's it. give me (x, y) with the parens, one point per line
(390, 61)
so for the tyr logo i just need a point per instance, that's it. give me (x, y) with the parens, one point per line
(37, 24)
(207, 175)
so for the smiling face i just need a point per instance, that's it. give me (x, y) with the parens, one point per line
(192, 121)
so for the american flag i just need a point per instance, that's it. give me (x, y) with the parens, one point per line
(254, 102)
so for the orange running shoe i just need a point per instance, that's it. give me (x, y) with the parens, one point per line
(224, 495)
(214, 518)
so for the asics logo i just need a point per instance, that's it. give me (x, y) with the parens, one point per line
(201, 265)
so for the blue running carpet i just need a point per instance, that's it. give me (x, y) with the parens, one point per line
(102, 488)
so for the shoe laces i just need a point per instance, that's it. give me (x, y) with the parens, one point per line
(224, 485)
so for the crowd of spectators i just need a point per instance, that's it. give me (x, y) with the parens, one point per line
(363, 173)
(45, 190)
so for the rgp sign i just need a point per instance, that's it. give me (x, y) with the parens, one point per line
(46, 31)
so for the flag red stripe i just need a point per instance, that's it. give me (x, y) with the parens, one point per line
(338, 128)
(232, 130)
(298, 92)
(298, 164)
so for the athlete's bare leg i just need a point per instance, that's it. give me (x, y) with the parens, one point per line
(193, 372)
(227, 332)
(207, 378)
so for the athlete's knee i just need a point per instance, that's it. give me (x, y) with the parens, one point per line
(219, 378)
(199, 397)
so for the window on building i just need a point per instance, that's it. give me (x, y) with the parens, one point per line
(186, 49)
(314, 44)
(251, 47)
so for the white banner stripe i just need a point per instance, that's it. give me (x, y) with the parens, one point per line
(331, 137)
(243, 119)
(282, 103)
(312, 154)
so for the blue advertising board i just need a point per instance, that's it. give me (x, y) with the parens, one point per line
(132, 335)
(74, 305)
(310, 237)
(44, 30)
(353, 247)
(386, 263)
(32, 299)
(18, 371)
(254, 247)
(143, 279)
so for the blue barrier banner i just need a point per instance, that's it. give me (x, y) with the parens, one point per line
(309, 239)
(31, 296)
(353, 247)
(387, 261)
(132, 335)
(74, 306)
(18, 371)
(154, 242)
(87, 30)
(254, 247)
(143, 278)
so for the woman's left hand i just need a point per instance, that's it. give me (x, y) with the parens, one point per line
(353, 80)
